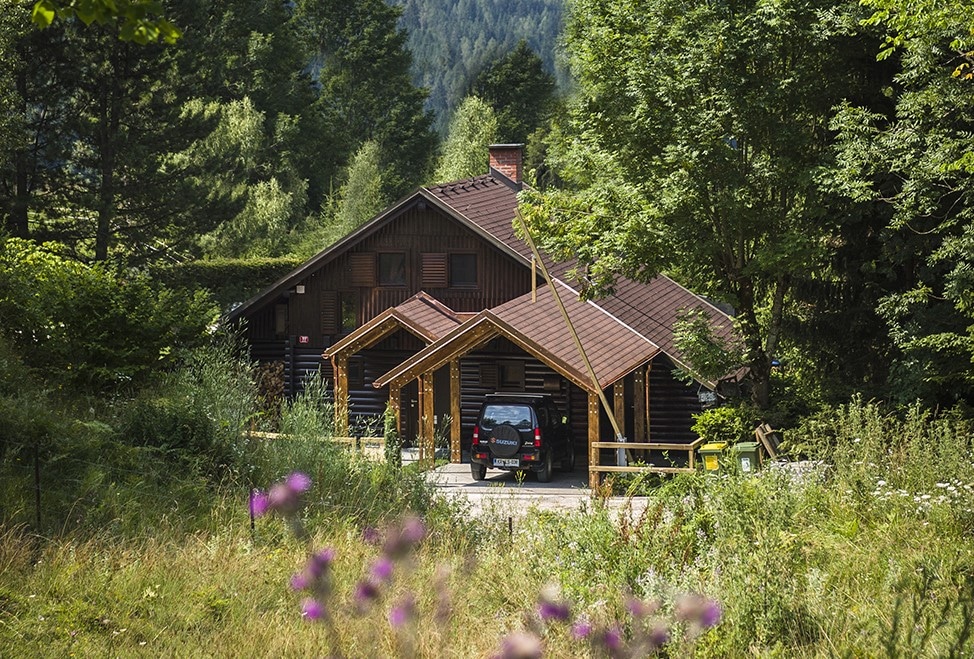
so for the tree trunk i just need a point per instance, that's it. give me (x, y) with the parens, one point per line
(757, 357)
(107, 135)
(16, 224)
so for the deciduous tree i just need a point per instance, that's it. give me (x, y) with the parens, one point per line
(695, 139)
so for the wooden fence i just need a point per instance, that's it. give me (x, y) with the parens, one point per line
(370, 447)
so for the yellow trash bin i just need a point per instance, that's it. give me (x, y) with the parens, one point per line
(710, 453)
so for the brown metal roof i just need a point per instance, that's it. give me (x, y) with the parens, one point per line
(613, 348)
(488, 205)
(422, 315)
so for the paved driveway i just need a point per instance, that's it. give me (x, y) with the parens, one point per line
(501, 493)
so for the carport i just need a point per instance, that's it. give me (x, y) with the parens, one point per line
(534, 323)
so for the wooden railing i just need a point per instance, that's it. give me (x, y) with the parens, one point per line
(690, 448)
(370, 447)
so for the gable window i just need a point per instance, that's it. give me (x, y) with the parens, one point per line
(392, 269)
(463, 270)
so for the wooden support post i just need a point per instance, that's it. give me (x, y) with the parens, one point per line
(639, 408)
(339, 364)
(455, 453)
(593, 437)
(427, 428)
(619, 410)
(649, 400)
(395, 402)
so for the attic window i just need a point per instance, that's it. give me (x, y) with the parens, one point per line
(463, 270)
(392, 269)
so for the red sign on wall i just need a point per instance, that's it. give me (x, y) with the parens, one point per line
(304, 339)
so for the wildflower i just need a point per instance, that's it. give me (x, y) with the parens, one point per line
(312, 609)
(320, 561)
(371, 535)
(381, 571)
(283, 497)
(300, 581)
(520, 645)
(698, 610)
(612, 640)
(400, 541)
(581, 630)
(403, 611)
(659, 636)
(641, 609)
(366, 592)
(551, 606)
(258, 504)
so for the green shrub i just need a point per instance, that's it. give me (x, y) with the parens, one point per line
(721, 424)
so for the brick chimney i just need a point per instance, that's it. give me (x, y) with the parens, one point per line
(507, 160)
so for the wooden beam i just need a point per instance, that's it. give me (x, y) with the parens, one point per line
(619, 411)
(639, 406)
(455, 453)
(649, 400)
(340, 366)
(395, 403)
(593, 437)
(427, 428)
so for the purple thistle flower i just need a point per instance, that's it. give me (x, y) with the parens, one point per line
(413, 530)
(402, 539)
(612, 639)
(298, 482)
(282, 499)
(365, 593)
(554, 611)
(551, 606)
(320, 561)
(403, 611)
(312, 609)
(382, 570)
(581, 630)
(659, 636)
(520, 645)
(300, 581)
(711, 614)
(258, 503)
(641, 609)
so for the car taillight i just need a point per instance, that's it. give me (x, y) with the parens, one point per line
(476, 434)
(537, 437)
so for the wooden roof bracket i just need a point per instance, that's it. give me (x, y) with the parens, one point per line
(536, 255)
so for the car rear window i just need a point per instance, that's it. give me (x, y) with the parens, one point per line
(518, 416)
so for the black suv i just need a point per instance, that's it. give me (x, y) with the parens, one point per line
(521, 432)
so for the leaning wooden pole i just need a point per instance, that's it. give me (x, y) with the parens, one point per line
(571, 329)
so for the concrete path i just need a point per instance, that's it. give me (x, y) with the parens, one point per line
(502, 494)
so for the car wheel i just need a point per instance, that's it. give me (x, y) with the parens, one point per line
(544, 476)
(568, 462)
(478, 471)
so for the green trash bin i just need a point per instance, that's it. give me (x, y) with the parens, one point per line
(748, 456)
(710, 454)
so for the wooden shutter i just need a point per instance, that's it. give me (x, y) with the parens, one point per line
(488, 376)
(362, 266)
(434, 270)
(329, 312)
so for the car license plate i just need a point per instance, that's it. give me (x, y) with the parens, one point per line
(506, 462)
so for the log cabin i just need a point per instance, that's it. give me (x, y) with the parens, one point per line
(436, 302)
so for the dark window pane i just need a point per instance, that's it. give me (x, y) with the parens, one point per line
(463, 270)
(392, 269)
(349, 318)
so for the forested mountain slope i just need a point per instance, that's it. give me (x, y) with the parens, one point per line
(451, 41)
